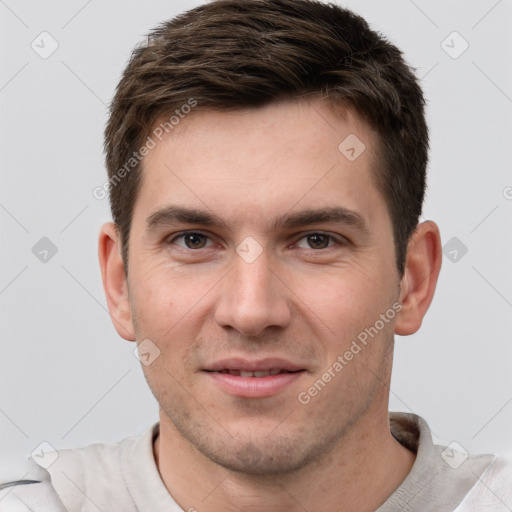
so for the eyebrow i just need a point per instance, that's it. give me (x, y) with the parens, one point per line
(179, 214)
(170, 215)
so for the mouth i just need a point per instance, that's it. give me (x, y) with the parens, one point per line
(257, 374)
(254, 379)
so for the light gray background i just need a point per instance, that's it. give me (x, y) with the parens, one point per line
(66, 376)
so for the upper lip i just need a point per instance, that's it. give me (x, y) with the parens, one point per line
(246, 365)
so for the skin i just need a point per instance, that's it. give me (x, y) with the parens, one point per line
(304, 298)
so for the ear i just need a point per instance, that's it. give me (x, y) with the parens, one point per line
(114, 281)
(422, 267)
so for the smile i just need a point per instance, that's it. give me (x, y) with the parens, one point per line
(261, 373)
(253, 384)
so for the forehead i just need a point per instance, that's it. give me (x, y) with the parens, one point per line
(278, 157)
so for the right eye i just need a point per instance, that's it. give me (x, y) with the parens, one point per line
(191, 240)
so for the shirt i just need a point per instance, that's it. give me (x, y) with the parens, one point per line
(123, 477)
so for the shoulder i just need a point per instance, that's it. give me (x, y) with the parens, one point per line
(95, 476)
(493, 490)
(447, 478)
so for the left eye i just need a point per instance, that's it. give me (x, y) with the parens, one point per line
(317, 241)
(191, 240)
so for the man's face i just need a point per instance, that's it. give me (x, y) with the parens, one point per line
(270, 284)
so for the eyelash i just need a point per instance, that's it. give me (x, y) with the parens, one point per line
(338, 240)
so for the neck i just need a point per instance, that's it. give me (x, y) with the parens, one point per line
(359, 473)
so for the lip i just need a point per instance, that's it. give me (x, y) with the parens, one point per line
(253, 387)
(238, 363)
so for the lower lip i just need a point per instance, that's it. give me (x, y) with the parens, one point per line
(254, 387)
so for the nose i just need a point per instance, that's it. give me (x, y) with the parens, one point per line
(252, 298)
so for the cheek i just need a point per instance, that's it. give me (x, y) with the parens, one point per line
(164, 296)
(169, 308)
(346, 300)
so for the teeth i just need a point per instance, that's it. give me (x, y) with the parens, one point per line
(261, 373)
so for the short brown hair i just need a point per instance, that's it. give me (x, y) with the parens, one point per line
(229, 54)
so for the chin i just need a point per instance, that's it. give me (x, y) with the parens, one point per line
(264, 458)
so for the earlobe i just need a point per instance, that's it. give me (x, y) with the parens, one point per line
(114, 281)
(418, 284)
